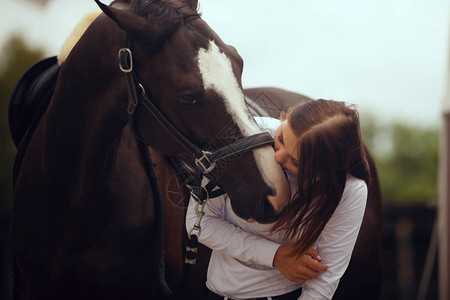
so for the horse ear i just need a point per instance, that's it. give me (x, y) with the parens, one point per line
(151, 33)
(126, 20)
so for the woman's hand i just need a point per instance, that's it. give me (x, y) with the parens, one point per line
(298, 268)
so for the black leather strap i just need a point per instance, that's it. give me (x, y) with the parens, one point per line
(172, 130)
(205, 161)
(138, 94)
(242, 145)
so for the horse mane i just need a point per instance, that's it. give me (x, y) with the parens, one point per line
(150, 8)
(76, 34)
(160, 8)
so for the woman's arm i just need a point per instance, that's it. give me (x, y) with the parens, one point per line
(221, 235)
(336, 243)
(298, 268)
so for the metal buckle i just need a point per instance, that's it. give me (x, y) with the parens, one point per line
(199, 161)
(122, 52)
(142, 88)
(199, 211)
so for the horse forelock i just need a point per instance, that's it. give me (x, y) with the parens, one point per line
(168, 16)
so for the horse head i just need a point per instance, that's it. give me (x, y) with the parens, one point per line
(194, 78)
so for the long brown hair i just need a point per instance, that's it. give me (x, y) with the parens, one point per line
(330, 146)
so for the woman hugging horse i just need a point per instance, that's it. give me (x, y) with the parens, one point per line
(321, 148)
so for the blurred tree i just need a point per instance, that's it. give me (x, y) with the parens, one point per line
(15, 59)
(369, 128)
(407, 160)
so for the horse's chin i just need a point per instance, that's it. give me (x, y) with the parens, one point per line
(269, 214)
(263, 212)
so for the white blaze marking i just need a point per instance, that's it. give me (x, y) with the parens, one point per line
(217, 74)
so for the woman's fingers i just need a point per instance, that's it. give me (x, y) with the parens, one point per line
(298, 268)
(313, 253)
(315, 265)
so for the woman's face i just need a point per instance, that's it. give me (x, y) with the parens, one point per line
(286, 153)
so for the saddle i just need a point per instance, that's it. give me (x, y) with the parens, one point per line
(29, 100)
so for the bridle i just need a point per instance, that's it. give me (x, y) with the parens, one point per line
(205, 161)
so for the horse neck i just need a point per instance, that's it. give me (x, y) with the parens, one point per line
(89, 108)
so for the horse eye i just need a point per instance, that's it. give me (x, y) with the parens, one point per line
(188, 99)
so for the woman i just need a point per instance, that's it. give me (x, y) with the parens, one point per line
(321, 148)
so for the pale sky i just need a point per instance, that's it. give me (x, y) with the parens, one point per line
(390, 57)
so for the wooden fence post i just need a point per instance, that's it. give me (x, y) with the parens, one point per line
(444, 198)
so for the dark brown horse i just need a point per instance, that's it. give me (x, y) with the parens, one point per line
(84, 217)
(84, 221)
(363, 277)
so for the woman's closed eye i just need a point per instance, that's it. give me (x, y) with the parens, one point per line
(280, 138)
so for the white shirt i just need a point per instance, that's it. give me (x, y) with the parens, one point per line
(241, 262)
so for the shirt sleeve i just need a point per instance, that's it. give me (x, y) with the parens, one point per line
(268, 124)
(336, 243)
(221, 235)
